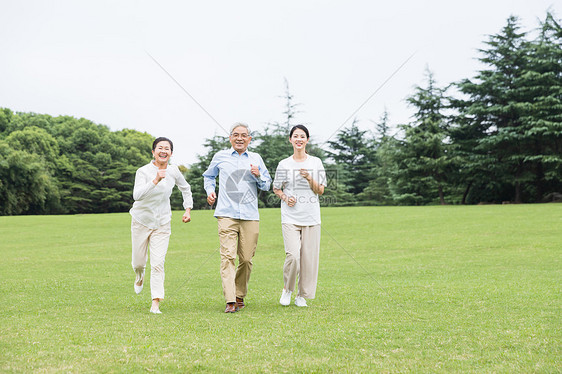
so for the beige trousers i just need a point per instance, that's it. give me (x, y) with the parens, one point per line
(236, 236)
(157, 239)
(302, 250)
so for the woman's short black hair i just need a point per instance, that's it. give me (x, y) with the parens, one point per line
(162, 139)
(302, 127)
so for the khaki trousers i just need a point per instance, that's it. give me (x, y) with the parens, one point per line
(236, 236)
(302, 249)
(157, 239)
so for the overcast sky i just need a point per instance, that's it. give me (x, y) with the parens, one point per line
(91, 59)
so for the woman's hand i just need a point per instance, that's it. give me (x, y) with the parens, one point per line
(291, 201)
(316, 188)
(306, 175)
(186, 216)
(160, 174)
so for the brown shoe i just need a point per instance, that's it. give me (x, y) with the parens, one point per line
(240, 303)
(231, 308)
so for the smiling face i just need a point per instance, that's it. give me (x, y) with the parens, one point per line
(162, 152)
(239, 138)
(298, 140)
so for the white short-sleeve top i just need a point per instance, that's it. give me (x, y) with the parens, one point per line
(306, 211)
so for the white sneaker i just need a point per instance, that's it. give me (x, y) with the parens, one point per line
(138, 289)
(300, 301)
(155, 311)
(285, 298)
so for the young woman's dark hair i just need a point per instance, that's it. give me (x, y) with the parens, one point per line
(163, 139)
(302, 127)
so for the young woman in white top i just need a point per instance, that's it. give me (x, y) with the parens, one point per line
(299, 180)
(152, 215)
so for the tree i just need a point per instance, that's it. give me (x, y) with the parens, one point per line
(25, 185)
(114, 193)
(85, 168)
(353, 151)
(36, 140)
(541, 115)
(5, 118)
(378, 190)
(491, 132)
(424, 159)
(273, 142)
(290, 108)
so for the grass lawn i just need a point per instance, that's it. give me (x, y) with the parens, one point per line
(421, 289)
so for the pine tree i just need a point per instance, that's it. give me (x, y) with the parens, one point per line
(423, 160)
(353, 151)
(509, 127)
(378, 191)
(541, 118)
(489, 132)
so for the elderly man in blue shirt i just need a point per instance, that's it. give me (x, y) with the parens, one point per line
(240, 173)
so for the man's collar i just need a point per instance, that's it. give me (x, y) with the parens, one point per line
(232, 151)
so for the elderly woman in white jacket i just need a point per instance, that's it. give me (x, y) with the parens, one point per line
(152, 215)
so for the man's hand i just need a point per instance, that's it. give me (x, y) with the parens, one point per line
(211, 198)
(255, 170)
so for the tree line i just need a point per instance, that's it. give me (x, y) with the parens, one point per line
(497, 137)
(63, 165)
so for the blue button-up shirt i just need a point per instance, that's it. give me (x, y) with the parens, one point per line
(238, 195)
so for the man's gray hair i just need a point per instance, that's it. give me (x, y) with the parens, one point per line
(240, 124)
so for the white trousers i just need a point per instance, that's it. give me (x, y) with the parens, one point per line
(157, 239)
(302, 250)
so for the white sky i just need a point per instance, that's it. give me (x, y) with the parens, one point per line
(89, 59)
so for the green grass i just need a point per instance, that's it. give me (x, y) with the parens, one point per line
(421, 289)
